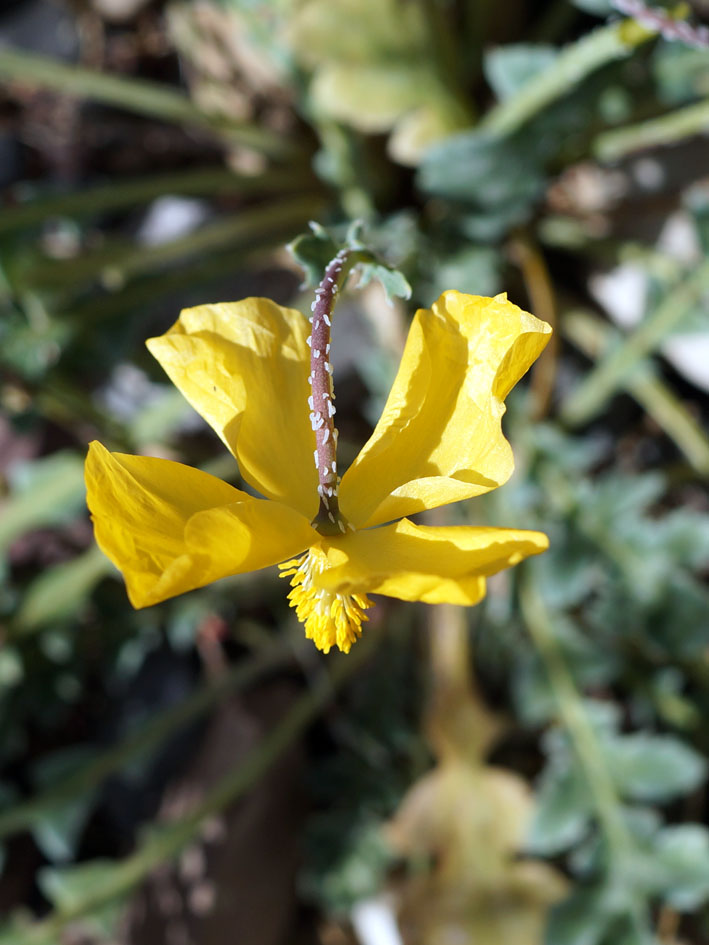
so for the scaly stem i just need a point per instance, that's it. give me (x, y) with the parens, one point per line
(669, 24)
(329, 520)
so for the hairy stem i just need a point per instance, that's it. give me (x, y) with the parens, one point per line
(329, 520)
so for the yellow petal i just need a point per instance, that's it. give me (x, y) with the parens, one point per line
(244, 367)
(170, 528)
(437, 565)
(439, 438)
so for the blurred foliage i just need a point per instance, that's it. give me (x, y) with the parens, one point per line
(467, 818)
(161, 157)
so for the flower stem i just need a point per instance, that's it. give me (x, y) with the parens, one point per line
(329, 520)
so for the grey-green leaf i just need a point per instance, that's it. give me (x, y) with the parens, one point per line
(509, 68)
(683, 854)
(653, 767)
(49, 492)
(313, 251)
(395, 283)
(562, 814)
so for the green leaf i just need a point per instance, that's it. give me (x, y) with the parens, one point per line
(491, 224)
(59, 592)
(8, 795)
(582, 919)
(29, 346)
(12, 670)
(492, 183)
(69, 887)
(359, 873)
(313, 251)
(373, 66)
(652, 767)
(57, 832)
(685, 536)
(395, 283)
(609, 912)
(563, 812)
(372, 99)
(47, 492)
(596, 7)
(56, 765)
(509, 68)
(680, 72)
(474, 270)
(533, 697)
(697, 201)
(567, 572)
(683, 854)
(480, 168)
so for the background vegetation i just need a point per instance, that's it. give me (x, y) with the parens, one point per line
(530, 770)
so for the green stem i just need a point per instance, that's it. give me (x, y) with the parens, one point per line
(594, 338)
(150, 735)
(347, 168)
(164, 843)
(573, 714)
(57, 592)
(571, 66)
(280, 216)
(613, 371)
(116, 266)
(136, 95)
(667, 129)
(202, 182)
(583, 737)
(63, 490)
(194, 274)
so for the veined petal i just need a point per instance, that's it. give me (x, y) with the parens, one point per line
(170, 528)
(244, 367)
(439, 438)
(437, 565)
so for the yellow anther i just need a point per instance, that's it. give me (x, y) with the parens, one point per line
(330, 619)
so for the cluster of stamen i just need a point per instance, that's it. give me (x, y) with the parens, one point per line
(329, 520)
(330, 618)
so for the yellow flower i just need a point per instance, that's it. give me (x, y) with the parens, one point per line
(245, 366)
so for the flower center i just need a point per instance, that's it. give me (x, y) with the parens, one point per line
(330, 619)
